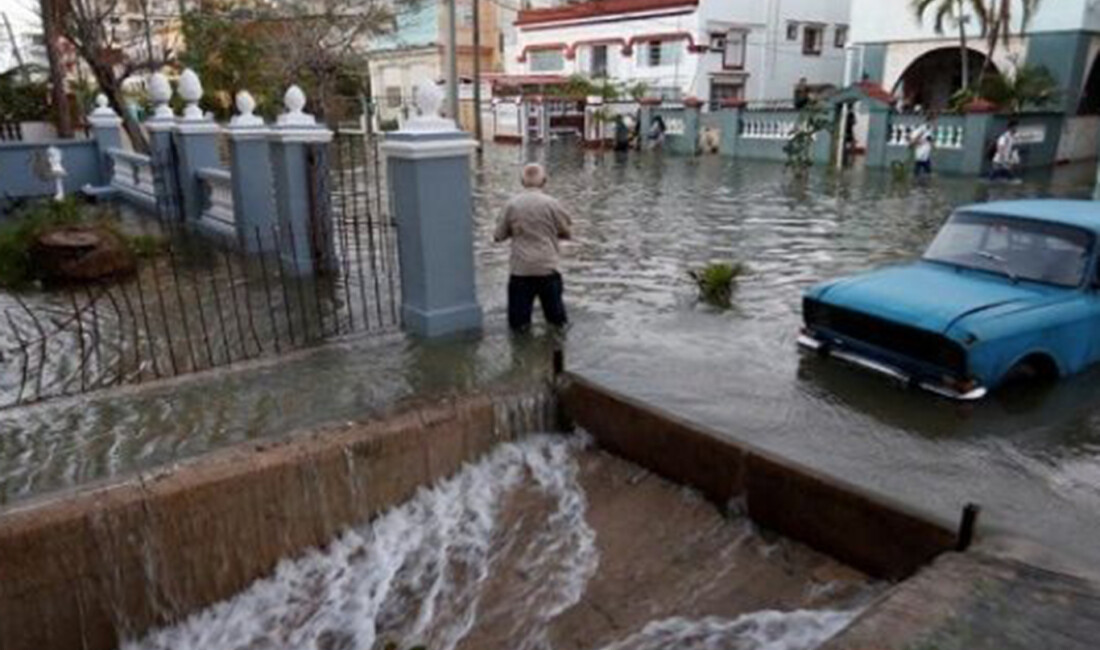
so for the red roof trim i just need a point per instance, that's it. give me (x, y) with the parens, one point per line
(522, 58)
(571, 53)
(595, 9)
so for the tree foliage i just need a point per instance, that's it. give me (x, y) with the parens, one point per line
(1029, 86)
(945, 12)
(317, 44)
(800, 147)
(22, 100)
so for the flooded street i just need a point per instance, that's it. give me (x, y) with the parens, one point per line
(1031, 461)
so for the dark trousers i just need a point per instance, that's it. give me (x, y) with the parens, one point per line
(922, 168)
(522, 291)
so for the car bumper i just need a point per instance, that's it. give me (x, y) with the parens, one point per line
(809, 343)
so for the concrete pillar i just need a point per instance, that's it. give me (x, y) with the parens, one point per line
(979, 123)
(878, 135)
(693, 108)
(304, 242)
(107, 130)
(731, 126)
(429, 179)
(646, 108)
(254, 209)
(196, 141)
(160, 127)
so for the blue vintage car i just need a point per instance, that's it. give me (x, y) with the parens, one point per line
(1005, 291)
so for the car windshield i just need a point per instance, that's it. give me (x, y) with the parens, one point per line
(1018, 248)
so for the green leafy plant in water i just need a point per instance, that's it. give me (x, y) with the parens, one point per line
(18, 234)
(715, 282)
(1029, 86)
(800, 147)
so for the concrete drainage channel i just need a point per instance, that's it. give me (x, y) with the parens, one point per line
(335, 539)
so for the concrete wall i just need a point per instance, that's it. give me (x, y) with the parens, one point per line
(893, 20)
(869, 532)
(17, 167)
(86, 568)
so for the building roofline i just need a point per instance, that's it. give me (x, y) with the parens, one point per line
(585, 10)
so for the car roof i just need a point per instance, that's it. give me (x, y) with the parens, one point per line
(1082, 214)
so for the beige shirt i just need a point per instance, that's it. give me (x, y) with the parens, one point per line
(534, 222)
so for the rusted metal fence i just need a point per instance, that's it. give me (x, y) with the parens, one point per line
(197, 306)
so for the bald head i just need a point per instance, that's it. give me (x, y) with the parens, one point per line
(534, 175)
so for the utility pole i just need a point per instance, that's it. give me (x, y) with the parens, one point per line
(477, 74)
(51, 16)
(452, 61)
(15, 50)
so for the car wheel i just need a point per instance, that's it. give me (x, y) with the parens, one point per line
(1033, 370)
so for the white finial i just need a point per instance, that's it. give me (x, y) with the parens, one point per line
(103, 107)
(429, 98)
(160, 91)
(190, 89)
(245, 106)
(295, 100)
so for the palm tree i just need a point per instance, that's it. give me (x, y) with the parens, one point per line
(997, 20)
(954, 11)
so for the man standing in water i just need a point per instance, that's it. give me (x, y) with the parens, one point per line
(535, 222)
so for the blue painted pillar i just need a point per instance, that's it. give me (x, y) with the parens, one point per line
(977, 136)
(731, 127)
(160, 128)
(107, 131)
(254, 209)
(304, 241)
(645, 115)
(196, 140)
(196, 147)
(693, 108)
(878, 135)
(429, 179)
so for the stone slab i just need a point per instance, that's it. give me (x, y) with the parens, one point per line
(976, 601)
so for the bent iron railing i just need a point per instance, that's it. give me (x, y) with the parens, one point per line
(191, 308)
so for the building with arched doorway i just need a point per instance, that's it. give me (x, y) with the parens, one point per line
(922, 69)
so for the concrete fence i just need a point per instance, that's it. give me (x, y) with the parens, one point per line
(962, 142)
(217, 213)
(132, 177)
(22, 167)
(264, 188)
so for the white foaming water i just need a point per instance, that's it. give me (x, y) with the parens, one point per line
(416, 574)
(423, 574)
(765, 630)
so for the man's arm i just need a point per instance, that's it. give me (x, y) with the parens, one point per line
(563, 220)
(504, 226)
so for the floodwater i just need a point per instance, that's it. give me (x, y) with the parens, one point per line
(544, 543)
(1032, 460)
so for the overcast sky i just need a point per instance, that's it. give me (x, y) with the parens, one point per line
(23, 17)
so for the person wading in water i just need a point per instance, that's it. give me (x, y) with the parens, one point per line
(535, 222)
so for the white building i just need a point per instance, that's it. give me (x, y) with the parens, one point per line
(710, 49)
(920, 67)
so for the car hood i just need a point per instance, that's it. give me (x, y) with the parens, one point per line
(929, 296)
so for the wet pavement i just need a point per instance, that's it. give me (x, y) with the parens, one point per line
(1031, 460)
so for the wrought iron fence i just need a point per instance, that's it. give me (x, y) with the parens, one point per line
(197, 306)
